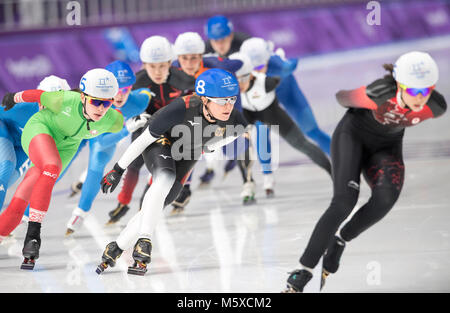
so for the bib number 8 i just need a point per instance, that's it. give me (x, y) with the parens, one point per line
(200, 88)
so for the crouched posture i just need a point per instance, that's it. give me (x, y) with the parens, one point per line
(172, 143)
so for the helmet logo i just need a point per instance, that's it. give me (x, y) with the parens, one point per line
(418, 71)
(216, 28)
(102, 81)
(226, 80)
(157, 53)
(227, 83)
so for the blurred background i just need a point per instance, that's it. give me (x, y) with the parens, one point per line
(66, 38)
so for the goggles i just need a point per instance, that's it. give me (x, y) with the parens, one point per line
(415, 91)
(97, 102)
(223, 101)
(124, 90)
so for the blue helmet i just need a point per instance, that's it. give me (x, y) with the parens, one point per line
(123, 73)
(218, 27)
(216, 83)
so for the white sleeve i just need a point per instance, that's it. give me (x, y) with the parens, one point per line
(136, 148)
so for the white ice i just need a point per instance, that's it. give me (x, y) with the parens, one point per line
(219, 245)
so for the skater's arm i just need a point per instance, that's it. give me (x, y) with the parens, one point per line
(11, 99)
(109, 139)
(32, 95)
(239, 127)
(370, 97)
(225, 64)
(356, 98)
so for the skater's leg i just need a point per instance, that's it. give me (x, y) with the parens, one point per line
(385, 174)
(346, 151)
(275, 115)
(7, 165)
(45, 156)
(163, 170)
(153, 204)
(263, 147)
(98, 158)
(297, 106)
(131, 176)
(11, 216)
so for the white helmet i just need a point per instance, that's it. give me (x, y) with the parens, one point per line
(99, 83)
(156, 49)
(189, 43)
(416, 70)
(247, 65)
(258, 50)
(53, 83)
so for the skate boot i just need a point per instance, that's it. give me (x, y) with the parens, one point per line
(116, 214)
(248, 193)
(206, 178)
(75, 188)
(109, 258)
(298, 280)
(181, 201)
(31, 246)
(331, 258)
(229, 167)
(269, 183)
(75, 222)
(142, 256)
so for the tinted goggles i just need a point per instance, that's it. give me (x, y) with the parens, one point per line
(97, 102)
(223, 101)
(415, 91)
(124, 90)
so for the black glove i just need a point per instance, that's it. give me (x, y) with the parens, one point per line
(8, 101)
(112, 179)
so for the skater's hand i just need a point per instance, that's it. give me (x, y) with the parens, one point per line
(8, 101)
(112, 179)
(137, 122)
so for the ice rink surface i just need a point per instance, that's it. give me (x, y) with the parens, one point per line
(219, 245)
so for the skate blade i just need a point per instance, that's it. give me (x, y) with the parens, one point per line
(101, 268)
(323, 280)
(73, 194)
(139, 271)
(204, 185)
(176, 211)
(27, 264)
(270, 194)
(110, 222)
(69, 232)
(249, 202)
(290, 290)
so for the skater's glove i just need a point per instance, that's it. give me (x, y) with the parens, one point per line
(8, 101)
(112, 179)
(137, 122)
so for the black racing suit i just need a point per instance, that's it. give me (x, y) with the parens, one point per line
(367, 140)
(184, 134)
